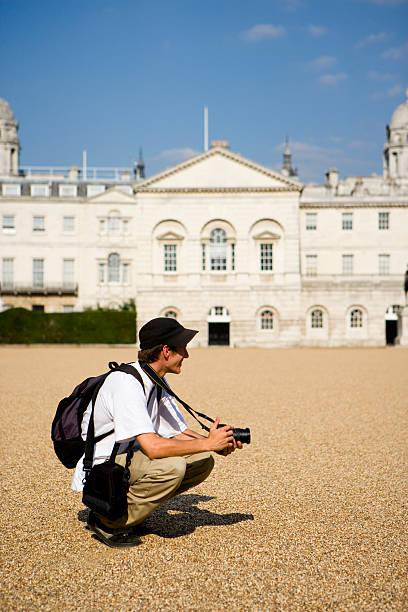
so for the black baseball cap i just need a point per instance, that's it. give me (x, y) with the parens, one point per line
(164, 330)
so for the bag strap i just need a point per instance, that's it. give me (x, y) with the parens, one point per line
(91, 440)
(161, 383)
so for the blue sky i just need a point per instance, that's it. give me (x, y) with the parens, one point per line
(110, 76)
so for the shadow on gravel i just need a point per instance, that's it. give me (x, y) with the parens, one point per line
(180, 516)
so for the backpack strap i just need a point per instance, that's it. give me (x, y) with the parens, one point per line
(91, 440)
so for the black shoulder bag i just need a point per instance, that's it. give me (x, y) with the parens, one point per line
(106, 484)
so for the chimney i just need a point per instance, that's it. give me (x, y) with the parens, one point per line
(73, 173)
(332, 178)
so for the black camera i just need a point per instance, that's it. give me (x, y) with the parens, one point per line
(240, 435)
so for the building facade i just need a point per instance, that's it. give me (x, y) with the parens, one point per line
(247, 255)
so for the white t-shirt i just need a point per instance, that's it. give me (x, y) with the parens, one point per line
(122, 405)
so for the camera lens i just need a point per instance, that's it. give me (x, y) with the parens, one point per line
(242, 435)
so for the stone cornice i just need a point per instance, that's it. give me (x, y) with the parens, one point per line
(143, 189)
(378, 204)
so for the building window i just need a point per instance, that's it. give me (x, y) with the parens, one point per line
(218, 250)
(203, 256)
(356, 318)
(7, 277)
(94, 190)
(68, 224)
(38, 273)
(67, 308)
(67, 191)
(311, 221)
(347, 221)
(316, 319)
(170, 257)
(102, 226)
(383, 220)
(266, 256)
(347, 264)
(311, 265)
(113, 225)
(11, 189)
(125, 273)
(38, 223)
(9, 224)
(40, 190)
(383, 264)
(267, 319)
(125, 227)
(113, 268)
(170, 314)
(68, 275)
(232, 256)
(101, 273)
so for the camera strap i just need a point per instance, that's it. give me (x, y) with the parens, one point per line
(160, 382)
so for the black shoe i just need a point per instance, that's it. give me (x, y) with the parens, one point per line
(115, 538)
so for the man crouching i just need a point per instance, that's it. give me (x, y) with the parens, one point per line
(169, 458)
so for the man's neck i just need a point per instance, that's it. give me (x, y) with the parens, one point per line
(159, 368)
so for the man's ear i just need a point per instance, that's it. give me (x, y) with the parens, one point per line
(166, 351)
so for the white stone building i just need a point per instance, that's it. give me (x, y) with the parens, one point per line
(247, 255)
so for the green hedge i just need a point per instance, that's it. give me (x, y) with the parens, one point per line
(21, 326)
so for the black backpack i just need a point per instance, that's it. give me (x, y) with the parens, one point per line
(66, 426)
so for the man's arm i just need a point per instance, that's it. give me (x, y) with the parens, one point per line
(156, 447)
(189, 434)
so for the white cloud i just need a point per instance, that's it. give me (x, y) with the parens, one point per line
(291, 5)
(396, 90)
(322, 63)
(316, 31)
(313, 160)
(362, 145)
(373, 75)
(396, 53)
(373, 39)
(263, 30)
(333, 79)
(175, 156)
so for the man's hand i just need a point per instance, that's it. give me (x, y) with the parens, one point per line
(221, 439)
(229, 449)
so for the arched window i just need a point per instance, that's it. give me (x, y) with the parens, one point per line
(113, 268)
(170, 314)
(316, 319)
(356, 318)
(267, 319)
(218, 249)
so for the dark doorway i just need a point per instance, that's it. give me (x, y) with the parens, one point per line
(37, 307)
(218, 334)
(391, 331)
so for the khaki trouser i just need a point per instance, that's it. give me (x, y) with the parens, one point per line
(153, 481)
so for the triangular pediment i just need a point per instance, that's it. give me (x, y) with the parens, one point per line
(113, 196)
(218, 169)
(170, 236)
(267, 236)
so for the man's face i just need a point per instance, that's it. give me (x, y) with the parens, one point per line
(176, 354)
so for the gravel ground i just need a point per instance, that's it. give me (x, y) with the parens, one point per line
(311, 516)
